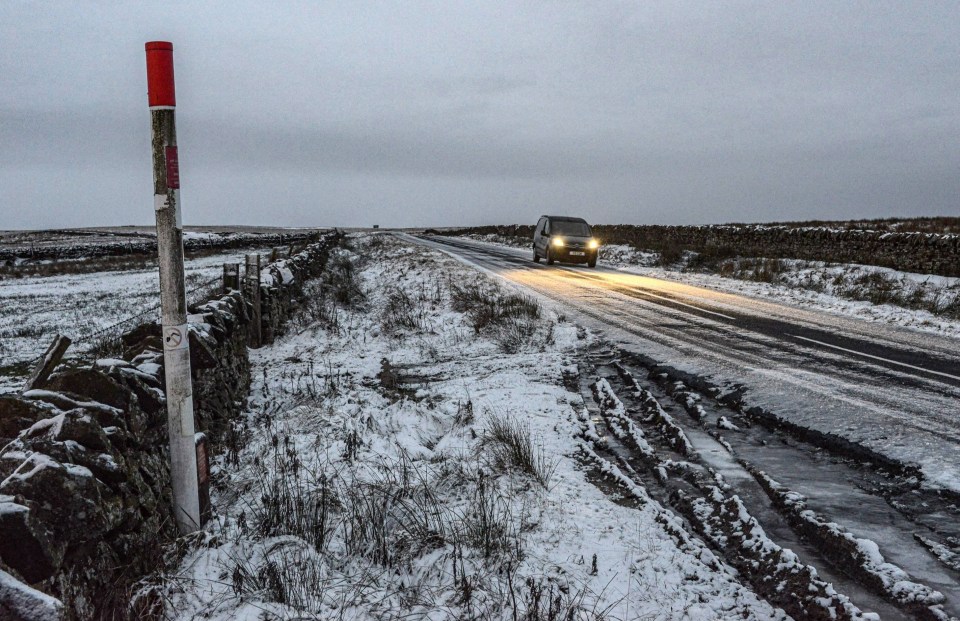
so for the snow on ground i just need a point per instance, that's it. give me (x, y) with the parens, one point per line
(810, 285)
(33, 309)
(410, 451)
(201, 235)
(20, 601)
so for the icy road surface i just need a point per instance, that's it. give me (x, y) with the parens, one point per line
(892, 390)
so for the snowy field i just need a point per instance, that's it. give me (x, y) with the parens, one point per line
(805, 284)
(410, 451)
(33, 309)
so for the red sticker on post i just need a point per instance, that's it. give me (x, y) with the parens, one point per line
(173, 169)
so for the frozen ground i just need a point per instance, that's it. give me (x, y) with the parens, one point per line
(804, 284)
(33, 309)
(411, 452)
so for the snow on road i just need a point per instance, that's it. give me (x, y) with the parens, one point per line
(370, 477)
(887, 408)
(808, 288)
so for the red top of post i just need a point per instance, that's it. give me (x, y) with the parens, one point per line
(160, 74)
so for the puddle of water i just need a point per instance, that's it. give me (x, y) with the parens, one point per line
(831, 490)
(714, 455)
(867, 516)
(757, 502)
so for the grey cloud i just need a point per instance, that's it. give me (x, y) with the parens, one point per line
(682, 112)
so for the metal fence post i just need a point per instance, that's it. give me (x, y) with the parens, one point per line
(252, 278)
(173, 300)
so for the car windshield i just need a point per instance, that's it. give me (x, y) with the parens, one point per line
(575, 229)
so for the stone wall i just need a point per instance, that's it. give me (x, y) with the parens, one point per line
(57, 251)
(84, 480)
(925, 253)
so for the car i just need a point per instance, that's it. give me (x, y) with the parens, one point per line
(562, 238)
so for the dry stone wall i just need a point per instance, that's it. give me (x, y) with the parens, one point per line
(925, 253)
(146, 244)
(84, 480)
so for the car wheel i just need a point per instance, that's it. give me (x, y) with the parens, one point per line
(549, 256)
(592, 262)
(536, 257)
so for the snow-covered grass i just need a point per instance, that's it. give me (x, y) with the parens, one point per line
(406, 455)
(939, 295)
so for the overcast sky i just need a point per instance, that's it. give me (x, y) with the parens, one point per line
(445, 113)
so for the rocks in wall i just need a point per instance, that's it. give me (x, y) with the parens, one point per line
(146, 244)
(87, 496)
(913, 252)
(18, 602)
(17, 414)
(84, 478)
(219, 361)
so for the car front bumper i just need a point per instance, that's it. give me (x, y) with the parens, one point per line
(573, 254)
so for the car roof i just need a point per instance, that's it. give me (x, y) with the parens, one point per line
(564, 219)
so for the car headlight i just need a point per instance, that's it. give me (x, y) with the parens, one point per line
(557, 241)
(593, 244)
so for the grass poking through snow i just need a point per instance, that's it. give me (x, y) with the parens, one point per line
(513, 447)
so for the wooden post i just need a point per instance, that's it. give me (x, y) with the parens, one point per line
(48, 363)
(231, 276)
(173, 299)
(203, 476)
(252, 278)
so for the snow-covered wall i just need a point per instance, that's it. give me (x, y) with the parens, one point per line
(84, 481)
(925, 253)
(76, 247)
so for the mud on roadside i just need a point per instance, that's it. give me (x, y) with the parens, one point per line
(641, 413)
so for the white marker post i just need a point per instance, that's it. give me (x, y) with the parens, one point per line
(173, 299)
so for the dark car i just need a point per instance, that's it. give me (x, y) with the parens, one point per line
(559, 238)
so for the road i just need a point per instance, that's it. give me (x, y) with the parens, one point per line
(866, 391)
(895, 391)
